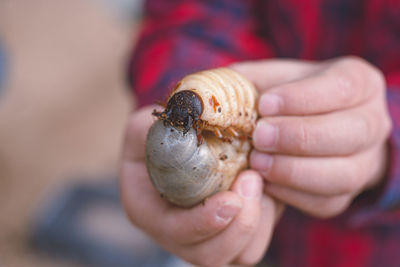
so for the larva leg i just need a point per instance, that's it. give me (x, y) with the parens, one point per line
(218, 133)
(197, 128)
(159, 115)
(233, 132)
(236, 134)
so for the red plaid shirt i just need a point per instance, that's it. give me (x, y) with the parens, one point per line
(183, 36)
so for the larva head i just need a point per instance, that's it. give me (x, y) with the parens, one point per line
(183, 109)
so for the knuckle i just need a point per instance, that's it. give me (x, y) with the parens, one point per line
(385, 129)
(382, 119)
(362, 124)
(374, 76)
(351, 60)
(371, 76)
(342, 81)
(350, 74)
(377, 78)
(304, 137)
(292, 171)
(359, 131)
(388, 125)
(372, 127)
(352, 180)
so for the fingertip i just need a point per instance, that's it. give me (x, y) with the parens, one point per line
(227, 212)
(265, 136)
(249, 185)
(223, 208)
(205, 220)
(270, 104)
(262, 162)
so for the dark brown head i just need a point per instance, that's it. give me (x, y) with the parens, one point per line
(183, 109)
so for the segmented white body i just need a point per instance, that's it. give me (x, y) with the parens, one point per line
(229, 99)
(186, 172)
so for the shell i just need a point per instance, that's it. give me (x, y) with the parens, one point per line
(186, 172)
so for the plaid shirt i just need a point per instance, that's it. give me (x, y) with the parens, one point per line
(183, 36)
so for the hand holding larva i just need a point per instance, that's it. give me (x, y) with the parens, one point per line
(200, 141)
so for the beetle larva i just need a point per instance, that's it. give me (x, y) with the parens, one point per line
(200, 141)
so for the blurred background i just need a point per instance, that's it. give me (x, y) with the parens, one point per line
(63, 105)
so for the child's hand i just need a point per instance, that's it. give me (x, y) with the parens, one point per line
(321, 138)
(230, 227)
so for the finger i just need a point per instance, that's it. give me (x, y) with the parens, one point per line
(315, 205)
(333, 134)
(136, 132)
(227, 245)
(271, 211)
(265, 74)
(337, 85)
(323, 176)
(170, 224)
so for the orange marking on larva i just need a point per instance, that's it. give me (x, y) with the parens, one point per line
(214, 103)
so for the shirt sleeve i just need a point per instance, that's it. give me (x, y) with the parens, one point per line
(183, 36)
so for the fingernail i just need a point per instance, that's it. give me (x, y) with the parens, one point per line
(269, 104)
(250, 187)
(227, 212)
(261, 161)
(265, 135)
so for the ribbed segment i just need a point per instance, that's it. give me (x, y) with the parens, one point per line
(228, 98)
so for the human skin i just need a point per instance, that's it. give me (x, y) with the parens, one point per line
(321, 138)
(320, 141)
